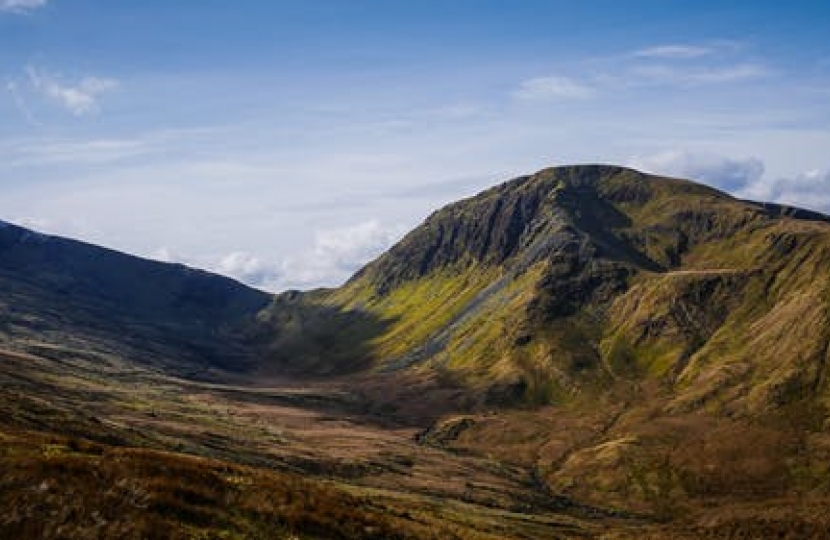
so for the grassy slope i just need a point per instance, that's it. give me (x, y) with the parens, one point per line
(56, 291)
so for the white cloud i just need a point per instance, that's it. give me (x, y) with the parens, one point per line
(166, 254)
(239, 265)
(743, 178)
(79, 99)
(335, 255)
(20, 6)
(251, 269)
(349, 248)
(552, 88)
(810, 189)
(673, 52)
(719, 171)
(338, 253)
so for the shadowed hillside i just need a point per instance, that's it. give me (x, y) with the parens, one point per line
(58, 293)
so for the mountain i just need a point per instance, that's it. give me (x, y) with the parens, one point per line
(57, 294)
(659, 341)
(575, 277)
(588, 351)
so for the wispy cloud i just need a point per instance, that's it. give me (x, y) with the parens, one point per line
(21, 104)
(663, 74)
(80, 98)
(29, 153)
(552, 88)
(674, 52)
(20, 6)
(40, 151)
(680, 66)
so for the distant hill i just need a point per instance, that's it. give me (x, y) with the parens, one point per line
(59, 293)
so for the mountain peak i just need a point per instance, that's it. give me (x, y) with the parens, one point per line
(523, 220)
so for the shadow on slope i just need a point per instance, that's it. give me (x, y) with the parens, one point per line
(304, 336)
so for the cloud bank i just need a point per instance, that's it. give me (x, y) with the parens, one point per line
(810, 189)
(335, 255)
(744, 178)
(729, 174)
(338, 253)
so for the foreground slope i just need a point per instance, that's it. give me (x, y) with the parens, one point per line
(127, 410)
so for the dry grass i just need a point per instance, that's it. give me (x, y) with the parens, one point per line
(66, 488)
(139, 455)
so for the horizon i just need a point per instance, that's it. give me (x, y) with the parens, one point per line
(287, 143)
(357, 269)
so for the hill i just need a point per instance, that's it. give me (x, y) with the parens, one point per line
(59, 294)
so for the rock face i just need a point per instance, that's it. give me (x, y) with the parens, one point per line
(59, 292)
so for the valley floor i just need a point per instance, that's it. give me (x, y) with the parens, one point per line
(96, 448)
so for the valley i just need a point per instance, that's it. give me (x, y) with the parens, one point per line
(59, 411)
(585, 352)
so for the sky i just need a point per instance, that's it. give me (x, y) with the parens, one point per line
(287, 142)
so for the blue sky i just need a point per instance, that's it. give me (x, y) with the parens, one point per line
(287, 142)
